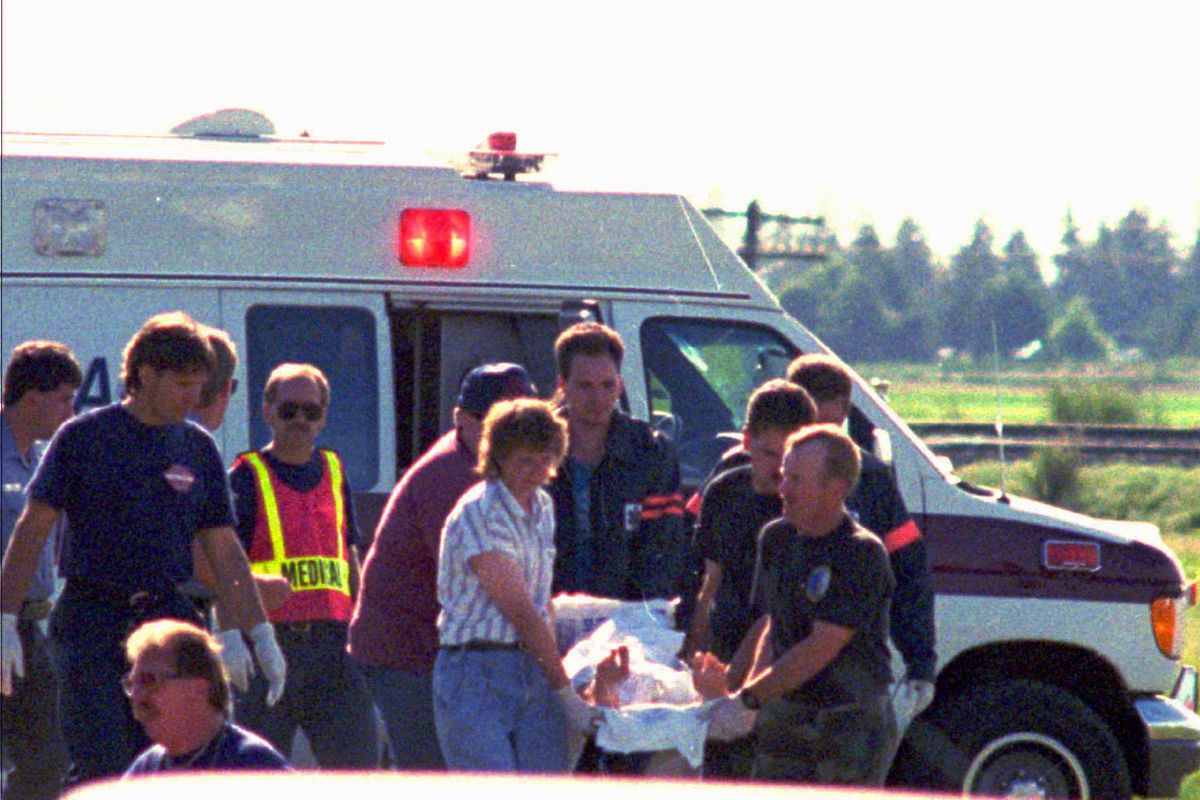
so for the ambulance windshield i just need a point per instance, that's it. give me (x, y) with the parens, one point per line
(700, 373)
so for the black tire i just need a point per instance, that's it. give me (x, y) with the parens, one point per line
(1014, 738)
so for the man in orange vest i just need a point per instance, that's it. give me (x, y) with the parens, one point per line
(296, 519)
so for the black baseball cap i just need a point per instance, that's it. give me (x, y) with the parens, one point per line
(488, 383)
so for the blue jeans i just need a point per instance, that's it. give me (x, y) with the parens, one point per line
(495, 713)
(324, 695)
(405, 700)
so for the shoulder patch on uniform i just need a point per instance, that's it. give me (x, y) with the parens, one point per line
(817, 584)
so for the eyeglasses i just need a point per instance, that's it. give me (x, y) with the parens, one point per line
(150, 681)
(288, 410)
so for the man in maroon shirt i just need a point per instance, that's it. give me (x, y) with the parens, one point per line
(393, 634)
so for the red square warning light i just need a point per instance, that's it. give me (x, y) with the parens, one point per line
(434, 237)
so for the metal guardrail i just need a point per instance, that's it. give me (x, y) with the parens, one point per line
(965, 443)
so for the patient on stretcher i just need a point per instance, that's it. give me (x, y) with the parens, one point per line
(620, 681)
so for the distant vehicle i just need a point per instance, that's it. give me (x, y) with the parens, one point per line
(1059, 635)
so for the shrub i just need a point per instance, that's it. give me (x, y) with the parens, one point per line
(1055, 474)
(1102, 402)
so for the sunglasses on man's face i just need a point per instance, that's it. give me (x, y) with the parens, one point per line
(288, 409)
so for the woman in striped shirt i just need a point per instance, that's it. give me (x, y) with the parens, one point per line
(502, 700)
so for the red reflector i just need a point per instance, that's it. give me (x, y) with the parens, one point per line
(1191, 593)
(431, 237)
(504, 141)
(1072, 555)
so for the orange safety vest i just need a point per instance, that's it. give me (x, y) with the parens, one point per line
(301, 535)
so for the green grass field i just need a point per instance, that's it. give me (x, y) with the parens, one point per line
(1168, 394)
(1168, 496)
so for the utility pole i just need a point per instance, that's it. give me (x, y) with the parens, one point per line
(810, 245)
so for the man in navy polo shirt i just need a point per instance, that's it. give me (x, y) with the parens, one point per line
(138, 483)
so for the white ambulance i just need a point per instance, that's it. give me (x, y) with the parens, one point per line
(1059, 636)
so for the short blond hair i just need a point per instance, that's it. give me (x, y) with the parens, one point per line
(523, 423)
(285, 372)
(842, 460)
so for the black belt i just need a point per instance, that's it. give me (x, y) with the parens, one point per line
(481, 646)
(118, 595)
(310, 626)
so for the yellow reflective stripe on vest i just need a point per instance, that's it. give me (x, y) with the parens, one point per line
(266, 493)
(305, 572)
(335, 480)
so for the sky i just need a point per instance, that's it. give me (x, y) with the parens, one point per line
(866, 112)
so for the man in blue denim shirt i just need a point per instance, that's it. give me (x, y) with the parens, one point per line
(39, 391)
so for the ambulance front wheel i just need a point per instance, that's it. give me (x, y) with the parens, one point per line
(1016, 738)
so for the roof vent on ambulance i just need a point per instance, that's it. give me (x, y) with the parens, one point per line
(227, 123)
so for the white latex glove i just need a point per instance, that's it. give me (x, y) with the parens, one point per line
(730, 720)
(237, 658)
(922, 692)
(12, 658)
(909, 699)
(582, 716)
(270, 660)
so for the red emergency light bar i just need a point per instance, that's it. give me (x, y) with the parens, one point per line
(505, 141)
(434, 237)
(497, 155)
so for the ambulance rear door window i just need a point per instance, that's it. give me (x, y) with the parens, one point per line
(341, 342)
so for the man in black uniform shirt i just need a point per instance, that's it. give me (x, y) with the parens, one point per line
(817, 662)
(878, 506)
(737, 504)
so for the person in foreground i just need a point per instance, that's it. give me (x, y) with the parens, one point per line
(179, 692)
(501, 698)
(814, 670)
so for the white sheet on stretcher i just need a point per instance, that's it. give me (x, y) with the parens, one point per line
(659, 708)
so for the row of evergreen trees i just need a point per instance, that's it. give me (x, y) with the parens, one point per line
(1127, 289)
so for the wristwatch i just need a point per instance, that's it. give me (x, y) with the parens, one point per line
(748, 699)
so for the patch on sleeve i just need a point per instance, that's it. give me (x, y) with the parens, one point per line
(817, 584)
